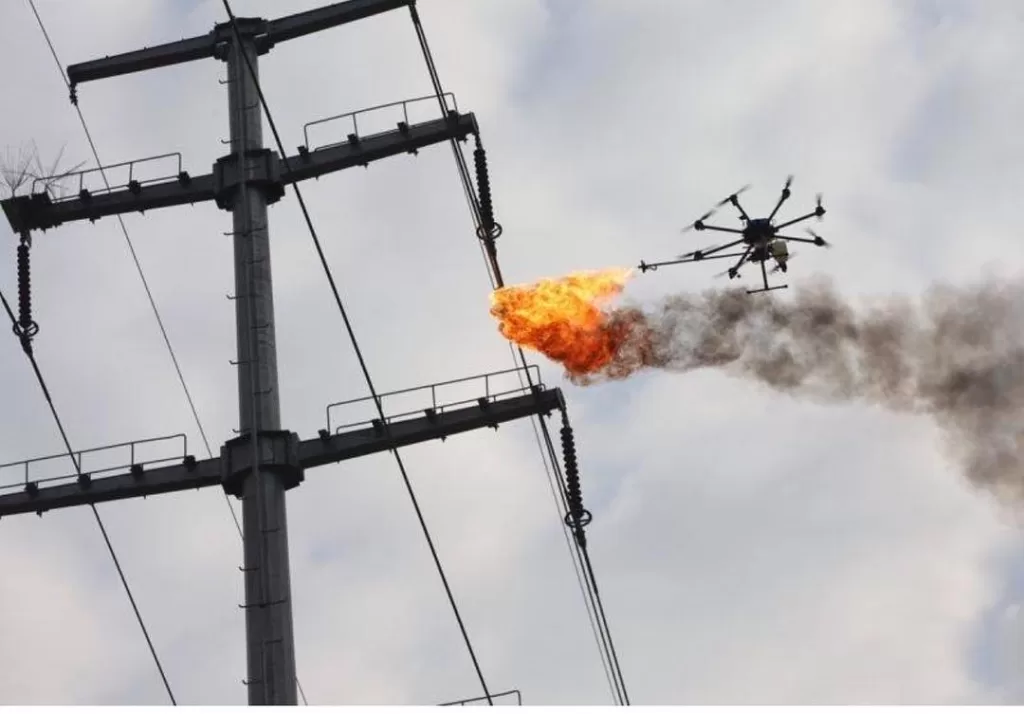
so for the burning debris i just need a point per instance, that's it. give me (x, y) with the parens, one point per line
(957, 354)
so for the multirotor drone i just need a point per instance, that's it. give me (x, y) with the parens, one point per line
(760, 236)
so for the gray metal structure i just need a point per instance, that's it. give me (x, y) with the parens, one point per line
(264, 461)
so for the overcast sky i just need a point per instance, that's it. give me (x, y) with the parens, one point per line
(750, 548)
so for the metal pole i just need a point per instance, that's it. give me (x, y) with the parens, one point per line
(270, 644)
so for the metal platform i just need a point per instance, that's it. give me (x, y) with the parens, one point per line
(352, 119)
(132, 183)
(39, 211)
(498, 699)
(437, 419)
(26, 475)
(494, 385)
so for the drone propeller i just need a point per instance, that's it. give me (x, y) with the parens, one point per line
(819, 210)
(789, 182)
(699, 220)
(728, 199)
(818, 240)
(724, 201)
(702, 251)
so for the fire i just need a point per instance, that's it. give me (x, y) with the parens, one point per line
(563, 318)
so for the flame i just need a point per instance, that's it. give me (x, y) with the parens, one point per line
(563, 318)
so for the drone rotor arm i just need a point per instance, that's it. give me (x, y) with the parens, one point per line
(743, 258)
(795, 221)
(709, 251)
(782, 198)
(743, 214)
(691, 259)
(718, 249)
(816, 240)
(699, 223)
(778, 206)
(722, 229)
(718, 256)
(732, 198)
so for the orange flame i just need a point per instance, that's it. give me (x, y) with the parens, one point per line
(562, 318)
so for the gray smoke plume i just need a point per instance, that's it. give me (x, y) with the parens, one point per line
(957, 354)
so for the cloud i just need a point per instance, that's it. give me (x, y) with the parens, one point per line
(749, 548)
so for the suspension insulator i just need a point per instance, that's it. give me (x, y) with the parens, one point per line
(578, 517)
(574, 492)
(488, 229)
(26, 327)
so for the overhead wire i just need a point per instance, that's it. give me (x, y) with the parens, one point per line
(592, 597)
(145, 285)
(362, 361)
(26, 347)
(580, 557)
(138, 264)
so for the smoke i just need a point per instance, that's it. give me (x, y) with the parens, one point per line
(957, 355)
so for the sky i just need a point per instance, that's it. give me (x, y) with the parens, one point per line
(749, 548)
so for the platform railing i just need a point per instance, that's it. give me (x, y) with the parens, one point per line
(130, 183)
(479, 700)
(26, 467)
(354, 116)
(437, 404)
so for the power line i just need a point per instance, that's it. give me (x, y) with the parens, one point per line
(359, 355)
(578, 556)
(99, 521)
(494, 272)
(591, 597)
(582, 552)
(145, 285)
(135, 259)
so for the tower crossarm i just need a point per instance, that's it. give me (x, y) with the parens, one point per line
(163, 55)
(39, 211)
(214, 43)
(360, 151)
(323, 18)
(319, 451)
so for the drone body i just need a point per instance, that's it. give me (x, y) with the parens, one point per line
(759, 237)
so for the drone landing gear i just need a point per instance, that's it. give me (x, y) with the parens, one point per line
(764, 290)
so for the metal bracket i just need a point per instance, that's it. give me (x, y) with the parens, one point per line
(262, 171)
(261, 605)
(279, 455)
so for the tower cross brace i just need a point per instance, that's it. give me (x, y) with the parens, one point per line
(264, 461)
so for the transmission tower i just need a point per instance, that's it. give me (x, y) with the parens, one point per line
(264, 460)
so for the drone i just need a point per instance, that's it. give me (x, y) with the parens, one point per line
(761, 238)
